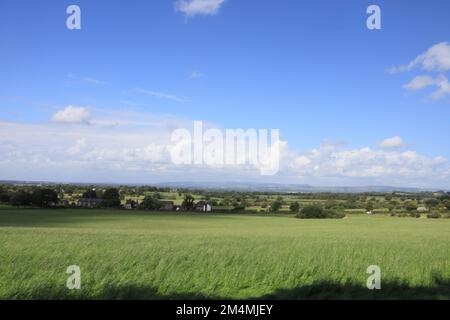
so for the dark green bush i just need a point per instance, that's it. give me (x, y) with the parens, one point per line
(44, 197)
(317, 212)
(434, 215)
(275, 206)
(294, 207)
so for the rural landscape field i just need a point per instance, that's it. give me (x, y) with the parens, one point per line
(221, 152)
(154, 255)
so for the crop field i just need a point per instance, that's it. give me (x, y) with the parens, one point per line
(145, 255)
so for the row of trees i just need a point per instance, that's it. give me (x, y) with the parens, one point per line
(47, 197)
(44, 197)
(25, 195)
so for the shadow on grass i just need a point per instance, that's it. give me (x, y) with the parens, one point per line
(57, 217)
(319, 290)
(389, 290)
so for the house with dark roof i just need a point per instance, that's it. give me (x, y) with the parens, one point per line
(203, 206)
(89, 202)
(167, 206)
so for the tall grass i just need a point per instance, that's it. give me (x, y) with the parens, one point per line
(149, 255)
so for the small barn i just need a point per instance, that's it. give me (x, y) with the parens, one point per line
(203, 206)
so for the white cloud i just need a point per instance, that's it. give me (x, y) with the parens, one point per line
(443, 88)
(371, 166)
(191, 8)
(138, 150)
(196, 75)
(72, 114)
(89, 80)
(77, 147)
(436, 58)
(160, 95)
(392, 143)
(420, 82)
(441, 84)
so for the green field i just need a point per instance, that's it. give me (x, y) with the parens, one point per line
(157, 256)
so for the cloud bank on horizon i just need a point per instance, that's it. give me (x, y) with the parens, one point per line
(80, 146)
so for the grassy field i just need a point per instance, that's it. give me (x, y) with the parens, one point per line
(126, 254)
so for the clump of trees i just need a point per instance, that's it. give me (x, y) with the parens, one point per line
(408, 204)
(188, 202)
(21, 198)
(4, 195)
(150, 202)
(90, 194)
(294, 207)
(433, 215)
(411, 207)
(44, 197)
(40, 197)
(276, 205)
(317, 212)
(111, 198)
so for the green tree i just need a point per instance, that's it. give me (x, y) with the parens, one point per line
(188, 202)
(150, 203)
(44, 197)
(447, 204)
(312, 211)
(369, 206)
(431, 203)
(410, 207)
(157, 195)
(4, 195)
(275, 206)
(90, 194)
(21, 198)
(294, 207)
(111, 198)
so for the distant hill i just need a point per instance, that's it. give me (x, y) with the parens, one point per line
(275, 187)
(246, 186)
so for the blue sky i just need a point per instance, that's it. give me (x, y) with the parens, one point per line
(309, 68)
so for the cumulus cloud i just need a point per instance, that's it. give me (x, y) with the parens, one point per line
(392, 143)
(436, 58)
(72, 114)
(420, 82)
(192, 8)
(440, 83)
(443, 88)
(118, 154)
(385, 166)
